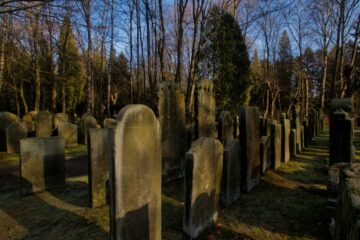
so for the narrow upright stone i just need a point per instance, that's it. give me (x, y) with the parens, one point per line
(135, 176)
(225, 127)
(69, 133)
(293, 142)
(173, 129)
(296, 124)
(275, 145)
(43, 124)
(203, 168)
(6, 119)
(99, 157)
(14, 133)
(285, 138)
(60, 118)
(265, 153)
(88, 122)
(42, 163)
(230, 181)
(250, 148)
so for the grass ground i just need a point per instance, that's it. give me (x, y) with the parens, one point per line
(290, 203)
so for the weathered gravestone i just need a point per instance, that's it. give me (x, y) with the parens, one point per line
(307, 131)
(225, 127)
(68, 132)
(275, 145)
(341, 147)
(265, 153)
(42, 163)
(296, 124)
(203, 168)
(205, 125)
(33, 114)
(173, 129)
(14, 133)
(99, 157)
(109, 122)
(285, 138)
(231, 181)
(60, 118)
(88, 122)
(28, 122)
(293, 142)
(346, 104)
(135, 176)
(6, 119)
(43, 124)
(302, 137)
(250, 148)
(236, 129)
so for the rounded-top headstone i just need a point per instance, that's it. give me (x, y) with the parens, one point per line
(6, 118)
(61, 118)
(43, 124)
(14, 133)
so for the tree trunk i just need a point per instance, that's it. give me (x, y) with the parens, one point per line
(162, 43)
(37, 85)
(22, 97)
(323, 84)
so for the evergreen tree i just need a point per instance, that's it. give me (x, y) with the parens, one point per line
(225, 60)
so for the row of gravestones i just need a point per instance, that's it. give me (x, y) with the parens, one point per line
(343, 174)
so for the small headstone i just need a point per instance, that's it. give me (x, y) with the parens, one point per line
(61, 118)
(173, 129)
(265, 153)
(88, 122)
(33, 114)
(230, 181)
(43, 124)
(68, 132)
(14, 133)
(205, 110)
(109, 122)
(29, 123)
(203, 168)
(99, 157)
(42, 163)
(6, 118)
(275, 145)
(225, 127)
(285, 138)
(135, 176)
(250, 148)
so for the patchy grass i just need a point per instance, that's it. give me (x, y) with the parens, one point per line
(290, 203)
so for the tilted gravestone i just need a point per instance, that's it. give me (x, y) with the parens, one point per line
(205, 110)
(265, 153)
(275, 145)
(203, 168)
(109, 122)
(225, 127)
(135, 176)
(60, 118)
(250, 148)
(43, 124)
(88, 122)
(285, 138)
(42, 163)
(231, 181)
(6, 118)
(99, 157)
(173, 129)
(14, 133)
(69, 133)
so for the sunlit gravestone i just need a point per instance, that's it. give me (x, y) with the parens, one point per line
(14, 133)
(43, 124)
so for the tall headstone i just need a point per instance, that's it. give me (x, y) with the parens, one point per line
(88, 122)
(225, 127)
(276, 145)
(307, 131)
(42, 163)
(14, 133)
(60, 118)
(173, 129)
(99, 157)
(205, 125)
(203, 168)
(250, 148)
(43, 124)
(231, 181)
(285, 138)
(293, 142)
(296, 124)
(6, 118)
(265, 153)
(135, 176)
(69, 133)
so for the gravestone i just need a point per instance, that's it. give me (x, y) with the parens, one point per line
(346, 104)
(135, 176)
(14, 133)
(296, 124)
(203, 168)
(205, 110)
(302, 137)
(28, 122)
(43, 124)
(276, 145)
(69, 133)
(109, 122)
(236, 129)
(231, 181)
(99, 156)
(265, 153)
(42, 163)
(173, 129)
(88, 122)
(33, 114)
(307, 131)
(293, 142)
(6, 119)
(60, 118)
(285, 138)
(250, 148)
(225, 127)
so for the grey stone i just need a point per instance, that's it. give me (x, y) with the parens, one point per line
(99, 157)
(265, 153)
(285, 138)
(109, 122)
(203, 168)
(293, 142)
(205, 110)
(28, 122)
(250, 148)
(173, 129)
(14, 133)
(60, 118)
(43, 124)
(307, 131)
(225, 127)
(275, 145)
(231, 181)
(302, 137)
(42, 163)
(68, 132)
(6, 118)
(346, 104)
(135, 176)
(88, 122)
(296, 124)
